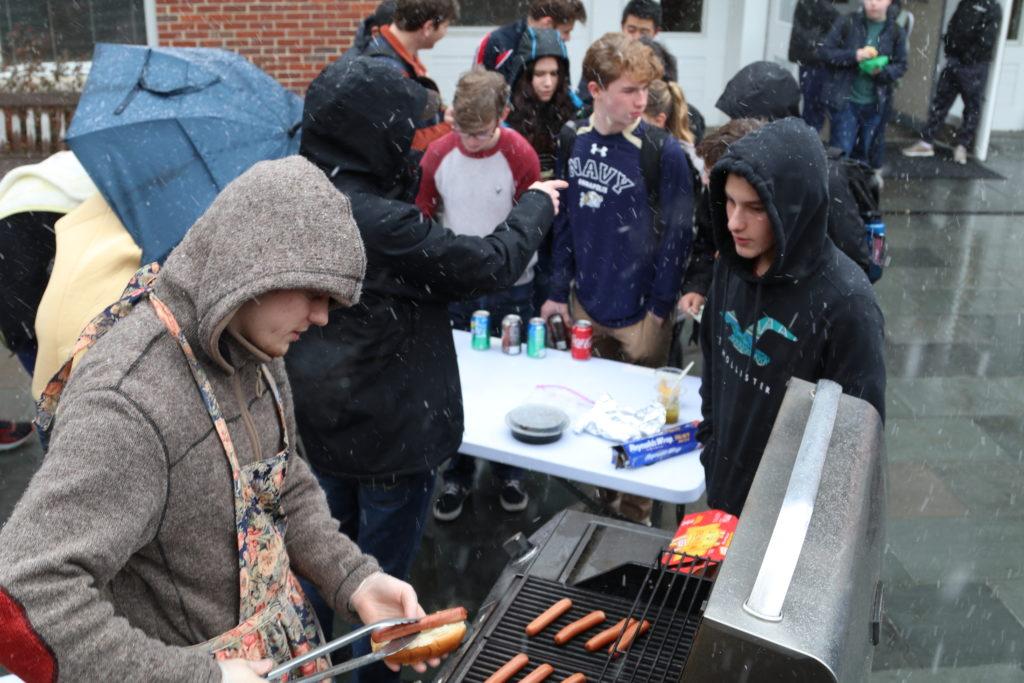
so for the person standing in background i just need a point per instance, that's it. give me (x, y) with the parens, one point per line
(970, 42)
(812, 21)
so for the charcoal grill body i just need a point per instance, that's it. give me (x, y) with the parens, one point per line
(833, 599)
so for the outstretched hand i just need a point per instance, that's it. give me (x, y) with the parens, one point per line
(244, 671)
(382, 596)
(551, 188)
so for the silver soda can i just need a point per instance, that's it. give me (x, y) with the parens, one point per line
(512, 334)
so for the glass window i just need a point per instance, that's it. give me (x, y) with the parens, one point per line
(490, 13)
(62, 30)
(682, 15)
(1014, 31)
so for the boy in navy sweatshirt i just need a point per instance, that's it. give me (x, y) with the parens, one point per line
(613, 263)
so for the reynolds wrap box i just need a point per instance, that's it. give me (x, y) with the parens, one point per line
(651, 449)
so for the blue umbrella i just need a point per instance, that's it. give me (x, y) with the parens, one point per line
(161, 131)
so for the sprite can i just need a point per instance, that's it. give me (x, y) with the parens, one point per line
(480, 329)
(535, 338)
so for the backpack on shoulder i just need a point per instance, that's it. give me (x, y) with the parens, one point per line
(866, 192)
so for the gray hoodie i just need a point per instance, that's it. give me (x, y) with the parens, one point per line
(122, 551)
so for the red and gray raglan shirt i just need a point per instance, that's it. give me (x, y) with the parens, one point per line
(477, 190)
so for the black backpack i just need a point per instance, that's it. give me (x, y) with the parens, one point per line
(652, 143)
(865, 190)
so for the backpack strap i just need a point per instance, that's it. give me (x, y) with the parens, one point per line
(651, 147)
(563, 148)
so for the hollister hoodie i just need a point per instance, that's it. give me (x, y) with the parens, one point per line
(812, 315)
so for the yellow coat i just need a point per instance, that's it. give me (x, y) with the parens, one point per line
(95, 259)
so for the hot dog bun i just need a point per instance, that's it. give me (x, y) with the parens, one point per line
(433, 642)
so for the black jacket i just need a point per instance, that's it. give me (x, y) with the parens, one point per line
(973, 31)
(812, 315)
(497, 50)
(377, 390)
(812, 21)
(839, 52)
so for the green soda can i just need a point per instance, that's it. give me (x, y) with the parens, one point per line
(480, 329)
(535, 338)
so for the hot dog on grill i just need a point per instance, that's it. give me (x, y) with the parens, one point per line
(605, 637)
(548, 617)
(579, 626)
(538, 674)
(630, 635)
(509, 669)
(436, 634)
(575, 678)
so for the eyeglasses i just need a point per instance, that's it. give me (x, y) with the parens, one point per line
(482, 136)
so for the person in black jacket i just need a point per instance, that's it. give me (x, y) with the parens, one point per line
(767, 91)
(377, 395)
(784, 303)
(812, 21)
(857, 97)
(970, 42)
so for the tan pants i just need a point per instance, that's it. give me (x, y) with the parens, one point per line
(643, 343)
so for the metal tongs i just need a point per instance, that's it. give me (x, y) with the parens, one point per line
(390, 648)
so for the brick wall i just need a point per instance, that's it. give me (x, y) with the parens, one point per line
(292, 41)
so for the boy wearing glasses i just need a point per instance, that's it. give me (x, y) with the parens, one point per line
(474, 175)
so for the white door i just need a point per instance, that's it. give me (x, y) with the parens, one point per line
(702, 59)
(1009, 114)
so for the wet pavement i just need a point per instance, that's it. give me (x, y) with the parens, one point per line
(954, 564)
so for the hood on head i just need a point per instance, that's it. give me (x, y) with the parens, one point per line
(761, 90)
(785, 163)
(542, 42)
(360, 116)
(280, 225)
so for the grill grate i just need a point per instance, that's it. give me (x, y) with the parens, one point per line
(674, 599)
(672, 602)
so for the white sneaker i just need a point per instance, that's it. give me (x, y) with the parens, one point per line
(960, 154)
(919, 149)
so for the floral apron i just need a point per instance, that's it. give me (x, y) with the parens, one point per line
(276, 620)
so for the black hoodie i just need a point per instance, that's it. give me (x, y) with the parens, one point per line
(377, 390)
(812, 315)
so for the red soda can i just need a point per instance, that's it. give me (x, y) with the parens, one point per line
(582, 339)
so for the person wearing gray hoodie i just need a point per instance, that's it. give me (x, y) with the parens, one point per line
(169, 517)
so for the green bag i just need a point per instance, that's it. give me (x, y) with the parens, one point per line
(869, 65)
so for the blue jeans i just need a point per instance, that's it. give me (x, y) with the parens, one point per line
(855, 128)
(386, 517)
(812, 84)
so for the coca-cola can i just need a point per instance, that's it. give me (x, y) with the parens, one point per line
(582, 339)
(557, 337)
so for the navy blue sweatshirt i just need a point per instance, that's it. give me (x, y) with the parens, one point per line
(604, 235)
(812, 315)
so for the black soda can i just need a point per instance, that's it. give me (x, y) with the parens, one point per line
(512, 334)
(557, 335)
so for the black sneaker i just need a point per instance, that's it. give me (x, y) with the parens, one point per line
(448, 506)
(14, 434)
(513, 497)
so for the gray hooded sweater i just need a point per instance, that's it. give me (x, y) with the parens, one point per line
(122, 551)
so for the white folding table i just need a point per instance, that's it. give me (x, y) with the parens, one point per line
(494, 383)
